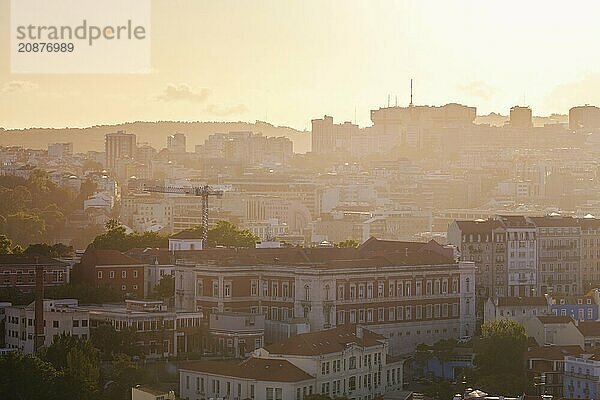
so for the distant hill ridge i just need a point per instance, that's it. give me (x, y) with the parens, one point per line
(154, 133)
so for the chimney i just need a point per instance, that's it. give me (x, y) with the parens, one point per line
(359, 331)
(39, 307)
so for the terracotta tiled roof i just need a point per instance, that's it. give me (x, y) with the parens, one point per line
(589, 328)
(486, 226)
(522, 301)
(113, 257)
(27, 259)
(553, 352)
(186, 234)
(324, 342)
(260, 369)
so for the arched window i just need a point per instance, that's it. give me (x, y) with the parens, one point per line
(326, 292)
(306, 293)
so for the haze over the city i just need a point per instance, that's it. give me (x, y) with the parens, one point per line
(288, 62)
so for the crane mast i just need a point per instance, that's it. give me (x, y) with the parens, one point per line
(203, 192)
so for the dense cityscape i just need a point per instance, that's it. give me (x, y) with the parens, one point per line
(299, 200)
(387, 262)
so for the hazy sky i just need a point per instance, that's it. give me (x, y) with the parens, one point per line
(291, 61)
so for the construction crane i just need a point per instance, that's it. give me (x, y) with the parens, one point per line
(203, 192)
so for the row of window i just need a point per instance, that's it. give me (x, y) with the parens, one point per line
(111, 274)
(399, 313)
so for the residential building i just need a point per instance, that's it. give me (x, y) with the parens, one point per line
(60, 317)
(521, 117)
(590, 253)
(582, 377)
(119, 146)
(160, 332)
(516, 308)
(176, 143)
(236, 334)
(185, 240)
(547, 365)
(60, 149)
(113, 269)
(558, 254)
(553, 330)
(410, 292)
(591, 333)
(580, 308)
(348, 360)
(18, 271)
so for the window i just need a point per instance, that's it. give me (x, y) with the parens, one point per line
(135, 273)
(380, 314)
(340, 292)
(418, 288)
(227, 289)
(123, 287)
(369, 290)
(274, 289)
(352, 292)
(55, 324)
(84, 323)
(254, 288)
(111, 274)
(285, 289)
(135, 287)
(392, 313)
(352, 316)
(75, 323)
(306, 293)
(215, 289)
(123, 274)
(99, 274)
(340, 318)
(325, 368)
(370, 315)
(380, 289)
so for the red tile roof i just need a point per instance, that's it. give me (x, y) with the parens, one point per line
(324, 342)
(589, 328)
(260, 369)
(110, 257)
(553, 352)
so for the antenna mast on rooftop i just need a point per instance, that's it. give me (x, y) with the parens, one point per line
(411, 93)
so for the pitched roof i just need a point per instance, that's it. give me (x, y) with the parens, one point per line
(27, 259)
(554, 319)
(589, 328)
(553, 352)
(260, 369)
(325, 342)
(522, 301)
(187, 234)
(467, 227)
(109, 257)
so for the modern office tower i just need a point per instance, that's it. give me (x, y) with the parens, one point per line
(584, 117)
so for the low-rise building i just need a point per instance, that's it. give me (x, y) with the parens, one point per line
(236, 334)
(113, 269)
(582, 377)
(160, 332)
(60, 317)
(515, 308)
(18, 271)
(553, 330)
(348, 360)
(547, 365)
(580, 308)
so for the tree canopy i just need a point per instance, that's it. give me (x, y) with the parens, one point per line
(117, 238)
(347, 243)
(500, 358)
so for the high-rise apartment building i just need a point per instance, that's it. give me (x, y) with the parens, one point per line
(176, 143)
(119, 146)
(521, 117)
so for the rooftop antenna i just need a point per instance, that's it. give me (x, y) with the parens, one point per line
(388, 100)
(411, 93)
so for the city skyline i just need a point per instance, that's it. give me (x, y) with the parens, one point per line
(348, 60)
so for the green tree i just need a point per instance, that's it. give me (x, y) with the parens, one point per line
(126, 375)
(5, 245)
(116, 238)
(500, 358)
(226, 234)
(55, 250)
(111, 342)
(28, 377)
(347, 243)
(25, 228)
(78, 361)
(165, 289)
